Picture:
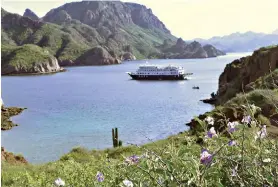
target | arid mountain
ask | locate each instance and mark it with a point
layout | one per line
(98, 32)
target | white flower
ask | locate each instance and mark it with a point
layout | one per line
(234, 172)
(267, 160)
(262, 133)
(59, 182)
(209, 120)
(232, 126)
(211, 133)
(128, 183)
(246, 119)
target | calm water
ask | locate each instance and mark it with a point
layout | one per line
(81, 106)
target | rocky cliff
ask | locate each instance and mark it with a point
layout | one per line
(106, 13)
(238, 74)
(246, 81)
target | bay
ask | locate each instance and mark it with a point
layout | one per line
(81, 106)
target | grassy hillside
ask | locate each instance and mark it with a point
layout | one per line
(177, 161)
(27, 59)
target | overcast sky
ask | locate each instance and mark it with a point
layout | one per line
(188, 18)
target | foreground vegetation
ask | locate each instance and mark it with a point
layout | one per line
(242, 155)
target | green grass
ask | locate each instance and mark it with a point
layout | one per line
(171, 162)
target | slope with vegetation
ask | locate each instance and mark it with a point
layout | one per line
(121, 31)
(249, 80)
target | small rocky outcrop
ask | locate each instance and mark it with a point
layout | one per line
(58, 17)
(6, 114)
(40, 67)
(182, 50)
(66, 62)
(212, 51)
(11, 158)
(28, 59)
(97, 56)
(128, 56)
(30, 14)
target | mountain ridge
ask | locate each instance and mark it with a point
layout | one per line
(116, 31)
(241, 42)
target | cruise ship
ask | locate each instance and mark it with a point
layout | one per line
(156, 72)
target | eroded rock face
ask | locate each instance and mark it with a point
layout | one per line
(49, 66)
(30, 14)
(106, 13)
(66, 63)
(246, 70)
(128, 56)
(97, 56)
(11, 158)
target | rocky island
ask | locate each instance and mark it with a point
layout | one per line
(89, 33)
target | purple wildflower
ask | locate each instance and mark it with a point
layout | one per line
(211, 133)
(246, 119)
(100, 177)
(232, 126)
(234, 172)
(262, 133)
(206, 158)
(134, 159)
(232, 143)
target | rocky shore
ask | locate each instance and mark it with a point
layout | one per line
(12, 158)
(6, 114)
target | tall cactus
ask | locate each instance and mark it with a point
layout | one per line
(115, 138)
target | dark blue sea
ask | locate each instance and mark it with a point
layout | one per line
(81, 106)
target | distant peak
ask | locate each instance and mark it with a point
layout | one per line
(30, 14)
